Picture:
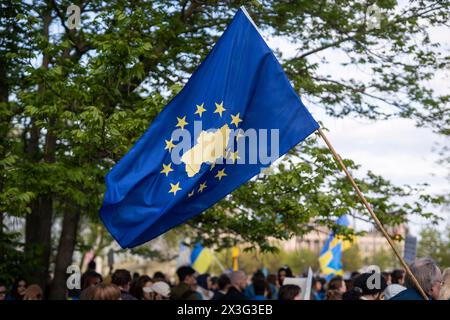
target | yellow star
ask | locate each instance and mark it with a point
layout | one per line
(234, 156)
(169, 145)
(200, 110)
(174, 188)
(235, 120)
(181, 122)
(166, 169)
(219, 108)
(202, 186)
(212, 166)
(220, 174)
(190, 194)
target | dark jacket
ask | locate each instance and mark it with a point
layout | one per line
(408, 294)
(217, 295)
(126, 296)
(183, 292)
(234, 294)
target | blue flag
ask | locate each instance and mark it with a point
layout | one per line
(195, 152)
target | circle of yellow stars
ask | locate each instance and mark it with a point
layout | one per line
(181, 123)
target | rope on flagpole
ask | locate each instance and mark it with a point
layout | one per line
(373, 215)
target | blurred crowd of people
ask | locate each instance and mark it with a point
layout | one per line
(236, 285)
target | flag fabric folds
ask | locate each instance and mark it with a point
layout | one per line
(201, 258)
(330, 258)
(239, 85)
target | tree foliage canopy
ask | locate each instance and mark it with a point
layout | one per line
(73, 101)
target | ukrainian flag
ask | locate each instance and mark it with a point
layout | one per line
(330, 258)
(201, 258)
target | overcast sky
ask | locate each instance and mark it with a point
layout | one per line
(396, 148)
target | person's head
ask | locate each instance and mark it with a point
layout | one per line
(337, 283)
(289, 292)
(238, 279)
(272, 279)
(159, 290)
(427, 274)
(333, 295)
(259, 286)
(284, 272)
(3, 291)
(122, 279)
(368, 286)
(203, 281)
(354, 275)
(445, 289)
(223, 282)
(214, 285)
(137, 287)
(159, 276)
(387, 277)
(90, 278)
(18, 289)
(186, 275)
(101, 291)
(398, 276)
(33, 292)
(316, 284)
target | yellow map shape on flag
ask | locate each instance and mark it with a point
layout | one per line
(210, 146)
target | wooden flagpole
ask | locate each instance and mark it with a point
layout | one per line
(373, 215)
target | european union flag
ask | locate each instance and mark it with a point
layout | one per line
(176, 169)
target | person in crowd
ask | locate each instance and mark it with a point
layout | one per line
(335, 288)
(429, 277)
(33, 292)
(337, 283)
(159, 276)
(3, 291)
(260, 289)
(238, 281)
(367, 286)
(159, 290)
(122, 279)
(316, 290)
(283, 272)
(289, 292)
(445, 289)
(214, 284)
(272, 280)
(398, 277)
(137, 287)
(185, 288)
(249, 291)
(386, 276)
(102, 291)
(204, 286)
(393, 290)
(354, 275)
(18, 289)
(90, 278)
(223, 284)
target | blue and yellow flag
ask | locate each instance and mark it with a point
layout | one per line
(330, 258)
(201, 258)
(194, 152)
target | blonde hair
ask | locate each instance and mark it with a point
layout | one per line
(101, 291)
(33, 292)
(445, 289)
